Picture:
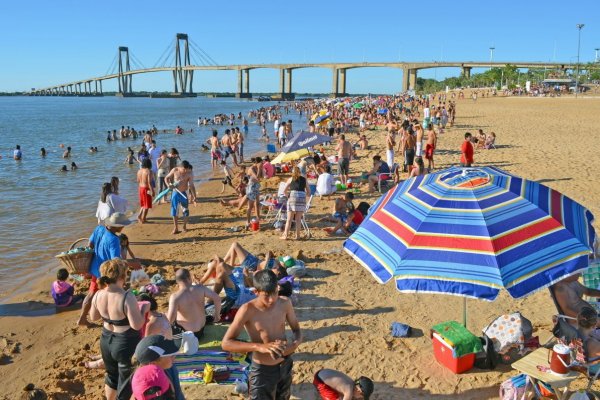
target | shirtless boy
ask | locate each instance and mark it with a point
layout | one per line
(264, 319)
(215, 148)
(430, 147)
(145, 189)
(186, 306)
(181, 179)
(255, 174)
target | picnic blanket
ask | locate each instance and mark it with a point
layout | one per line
(191, 368)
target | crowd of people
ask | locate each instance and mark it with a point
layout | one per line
(253, 285)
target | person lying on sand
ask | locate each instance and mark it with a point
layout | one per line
(264, 318)
(334, 385)
(186, 306)
(222, 273)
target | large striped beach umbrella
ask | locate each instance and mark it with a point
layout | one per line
(471, 232)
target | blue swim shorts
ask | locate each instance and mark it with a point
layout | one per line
(178, 198)
(250, 262)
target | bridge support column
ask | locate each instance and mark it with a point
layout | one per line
(243, 90)
(101, 88)
(247, 83)
(405, 73)
(466, 72)
(412, 79)
(335, 82)
(282, 83)
(342, 83)
(288, 94)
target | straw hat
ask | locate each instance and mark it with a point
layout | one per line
(117, 220)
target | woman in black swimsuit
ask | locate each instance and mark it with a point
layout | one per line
(122, 322)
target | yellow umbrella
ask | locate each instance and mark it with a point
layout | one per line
(291, 156)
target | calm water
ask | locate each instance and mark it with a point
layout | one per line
(42, 210)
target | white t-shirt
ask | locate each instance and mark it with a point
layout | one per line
(276, 125)
(281, 133)
(154, 156)
(325, 184)
(426, 113)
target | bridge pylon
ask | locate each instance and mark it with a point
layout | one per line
(182, 78)
(124, 80)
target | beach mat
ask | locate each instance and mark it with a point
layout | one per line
(191, 368)
(213, 336)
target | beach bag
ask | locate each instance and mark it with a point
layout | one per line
(488, 358)
(514, 388)
(508, 331)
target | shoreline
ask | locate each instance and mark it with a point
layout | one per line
(344, 313)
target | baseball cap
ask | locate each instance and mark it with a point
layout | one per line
(149, 377)
(153, 347)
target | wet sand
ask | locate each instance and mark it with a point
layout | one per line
(345, 315)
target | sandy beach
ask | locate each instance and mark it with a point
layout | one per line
(344, 313)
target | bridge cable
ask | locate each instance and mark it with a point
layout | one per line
(199, 50)
(163, 55)
(112, 66)
(198, 59)
(210, 60)
(137, 61)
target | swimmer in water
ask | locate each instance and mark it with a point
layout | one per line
(73, 166)
(63, 169)
(43, 152)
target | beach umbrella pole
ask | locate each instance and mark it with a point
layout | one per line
(465, 312)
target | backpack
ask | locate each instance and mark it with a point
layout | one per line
(514, 388)
(488, 358)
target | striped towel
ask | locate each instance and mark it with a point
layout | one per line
(191, 368)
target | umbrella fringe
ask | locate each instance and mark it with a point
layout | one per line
(364, 265)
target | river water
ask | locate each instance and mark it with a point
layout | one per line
(42, 210)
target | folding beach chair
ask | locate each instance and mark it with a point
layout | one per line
(562, 328)
(275, 206)
(303, 221)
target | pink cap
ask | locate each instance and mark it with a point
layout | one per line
(147, 377)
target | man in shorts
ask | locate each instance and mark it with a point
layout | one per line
(264, 318)
(255, 174)
(181, 179)
(334, 385)
(466, 151)
(344, 149)
(430, 147)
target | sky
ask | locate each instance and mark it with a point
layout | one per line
(44, 43)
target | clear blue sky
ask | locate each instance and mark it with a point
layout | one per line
(45, 43)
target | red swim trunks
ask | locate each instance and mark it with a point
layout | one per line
(325, 391)
(429, 151)
(145, 198)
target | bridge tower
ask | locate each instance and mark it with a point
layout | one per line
(124, 80)
(182, 78)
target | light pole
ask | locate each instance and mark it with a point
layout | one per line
(492, 58)
(579, 27)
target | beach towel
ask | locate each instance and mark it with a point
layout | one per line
(462, 341)
(191, 368)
